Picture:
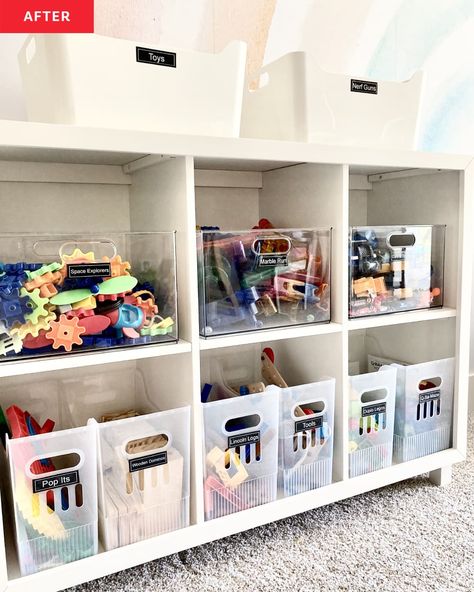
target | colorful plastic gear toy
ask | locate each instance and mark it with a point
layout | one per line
(65, 333)
(117, 266)
(37, 303)
(13, 308)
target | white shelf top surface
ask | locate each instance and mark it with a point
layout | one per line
(43, 142)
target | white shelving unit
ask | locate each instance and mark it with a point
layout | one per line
(58, 178)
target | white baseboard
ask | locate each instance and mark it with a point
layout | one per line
(471, 394)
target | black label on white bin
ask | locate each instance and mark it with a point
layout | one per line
(368, 410)
(145, 462)
(156, 57)
(243, 439)
(273, 260)
(88, 270)
(430, 396)
(364, 86)
(308, 424)
(55, 481)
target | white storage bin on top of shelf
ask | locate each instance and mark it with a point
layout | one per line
(371, 420)
(299, 101)
(91, 80)
(143, 459)
(241, 452)
(424, 409)
(305, 436)
(54, 484)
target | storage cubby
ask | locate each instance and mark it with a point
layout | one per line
(66, 180)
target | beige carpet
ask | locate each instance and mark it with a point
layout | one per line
(412, 536)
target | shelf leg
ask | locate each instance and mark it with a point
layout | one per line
(441, 477)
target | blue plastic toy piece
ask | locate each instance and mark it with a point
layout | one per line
(13, 308)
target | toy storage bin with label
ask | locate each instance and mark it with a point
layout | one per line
(143, 454)
(297, 100)
(395, 268)
(54, 489)
(306, 436)
(63, 293)
(241, 453)
(424, 409)
(91, 80)
(371, 417)
(263, 279)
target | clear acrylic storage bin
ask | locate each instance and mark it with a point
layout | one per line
(98, 81)
(241, 453)
(69, 293)
(395, 268)
(263, 279)
(424, 409)
(306, 436)
(54, 491)
(371, 419)
(143, 455)
(298, 100)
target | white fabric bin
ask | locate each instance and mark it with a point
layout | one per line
(305, 441)
(299, 101)
(371, 420)
(424, 409)
(97, 81)
(241, 452)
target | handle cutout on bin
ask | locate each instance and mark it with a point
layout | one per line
(147, 444)
(374, 395)
(429, 383)
(237, 424)
(304, 408)
(401, 240)
(51, 464)
(271, 245)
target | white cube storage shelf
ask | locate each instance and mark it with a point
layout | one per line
(141, 86)
(59, 179)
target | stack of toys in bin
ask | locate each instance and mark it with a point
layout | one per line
(54, 306)
(262, 278)
(379, 282)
